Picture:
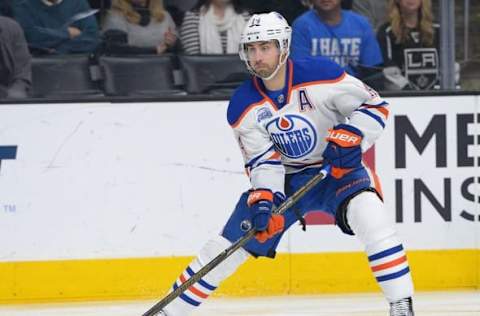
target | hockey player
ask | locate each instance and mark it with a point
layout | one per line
(289, 119)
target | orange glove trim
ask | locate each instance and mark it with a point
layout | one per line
(276, 224)
(259, 195)
(343, 138)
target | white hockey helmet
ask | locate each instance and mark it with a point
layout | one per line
(266, 27)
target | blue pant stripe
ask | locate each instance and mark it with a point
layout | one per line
(393, 275)
(385, 253)
(201, 282)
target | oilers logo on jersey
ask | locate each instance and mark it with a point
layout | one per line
(278, 139)
(293, 135)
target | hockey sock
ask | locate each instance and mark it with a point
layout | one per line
(386, 255)
(389, 265)
(200, 291)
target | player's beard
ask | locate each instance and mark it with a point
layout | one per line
(264, 70)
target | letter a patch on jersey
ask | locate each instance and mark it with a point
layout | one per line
(304, 101)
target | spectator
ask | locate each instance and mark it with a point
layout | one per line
(374, 10)
(148, 27)
(182, 5)
(102, 6)
(343, 36)
(409, 42)
(177, 9)
(57, 26)
(15, 67)
(347, 4)
(6, 8)
(290, 9)
(213, 27)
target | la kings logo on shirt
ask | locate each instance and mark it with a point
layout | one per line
(421, 67)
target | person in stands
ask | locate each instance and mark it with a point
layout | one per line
(213, 27)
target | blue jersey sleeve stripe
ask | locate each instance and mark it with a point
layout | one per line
(256, 158)
(375, 117)
(382, 104)
(270, 162)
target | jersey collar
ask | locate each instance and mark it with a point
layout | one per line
(289, 78)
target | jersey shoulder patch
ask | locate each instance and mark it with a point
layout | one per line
(317, 69)
(242, 98)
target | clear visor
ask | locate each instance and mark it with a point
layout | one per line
(254, 53)
(253, 50)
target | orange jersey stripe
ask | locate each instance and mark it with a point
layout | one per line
(263, 94)
(305, 84)
(290, 81)
(381, 109)
(275, 155)
(245, 112)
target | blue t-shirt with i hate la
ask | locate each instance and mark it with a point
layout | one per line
(350, 43)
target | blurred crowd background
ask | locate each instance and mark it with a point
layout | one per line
(79, 49)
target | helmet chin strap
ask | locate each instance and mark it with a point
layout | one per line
(280, 63)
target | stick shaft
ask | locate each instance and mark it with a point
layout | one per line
(155, 309)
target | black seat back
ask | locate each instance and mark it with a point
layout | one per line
(138, 75)
(63, 76)
(214, 74)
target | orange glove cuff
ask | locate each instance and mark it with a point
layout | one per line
(259, 195)
(276, 224)
(343, 138)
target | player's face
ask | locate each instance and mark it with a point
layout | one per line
(326, 5)
(263, 57)
(409, 6)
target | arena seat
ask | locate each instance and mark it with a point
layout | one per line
(213, 74)
(138, 75)
(63, 76)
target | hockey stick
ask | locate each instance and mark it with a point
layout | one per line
(155, 309)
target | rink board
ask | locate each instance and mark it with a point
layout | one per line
(97, 199)
(148, 278)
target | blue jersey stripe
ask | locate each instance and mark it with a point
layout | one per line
(256, 158)
(269, 162)
(380, 105)
(393, 275)
(375, 117)
(385, 253)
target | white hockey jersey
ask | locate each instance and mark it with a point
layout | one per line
(275, 140)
